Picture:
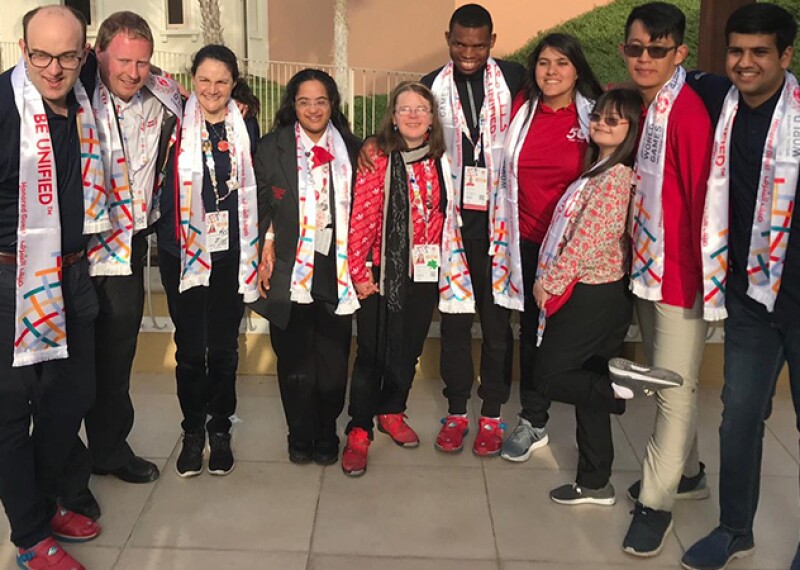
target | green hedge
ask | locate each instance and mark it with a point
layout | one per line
(601, 31)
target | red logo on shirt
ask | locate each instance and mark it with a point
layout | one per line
(278, 193)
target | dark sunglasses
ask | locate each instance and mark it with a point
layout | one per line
(656, 52)
(610, 121)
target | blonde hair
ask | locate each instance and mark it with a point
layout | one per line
(129, 23)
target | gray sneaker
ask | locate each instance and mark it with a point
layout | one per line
(523, 441)
(574, 494)
(642, 380)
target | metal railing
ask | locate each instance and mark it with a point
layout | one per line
(364, 96)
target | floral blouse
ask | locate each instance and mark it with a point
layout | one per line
(595, 248)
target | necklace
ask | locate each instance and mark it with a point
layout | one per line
(222, 143)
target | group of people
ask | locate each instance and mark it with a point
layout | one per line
(488, 188)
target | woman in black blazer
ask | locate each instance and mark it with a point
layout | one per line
(304, 171)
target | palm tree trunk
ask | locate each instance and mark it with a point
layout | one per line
(210, 22)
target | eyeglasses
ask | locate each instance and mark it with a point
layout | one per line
(321, 103)
(68, 61)
(407, 110)
(610, 121)
(655, 52)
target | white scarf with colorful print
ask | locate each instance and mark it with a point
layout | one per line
(775, 204)
(41, 325)
(110, 252)
(494, 120)
(341, 179)
(647, 211)
(196, 261)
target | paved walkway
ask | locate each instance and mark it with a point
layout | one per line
(414, 509)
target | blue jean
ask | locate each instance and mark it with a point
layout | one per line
(756, 349)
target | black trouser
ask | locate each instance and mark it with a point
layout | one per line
(572, 365)
(54, 395)
(497, 347)
(312, 354)
(376, 389)
(109, 421)
(535, 403)
(207, 323)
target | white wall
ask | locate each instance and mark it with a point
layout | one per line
(186, 40)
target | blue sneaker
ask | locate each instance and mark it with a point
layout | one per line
(796, 561)
(715, 551)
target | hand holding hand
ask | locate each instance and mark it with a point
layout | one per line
(366, 156)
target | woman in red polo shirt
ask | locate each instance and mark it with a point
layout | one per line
(545, 150)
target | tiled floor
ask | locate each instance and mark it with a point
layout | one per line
(414, 509)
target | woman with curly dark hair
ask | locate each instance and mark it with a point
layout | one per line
(304, 170)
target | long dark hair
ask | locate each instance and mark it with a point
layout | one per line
(390, 139)
(241, 90)
(627, 103)
(286, 114)
(587, 84)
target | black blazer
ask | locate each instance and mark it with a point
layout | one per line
(275, 165)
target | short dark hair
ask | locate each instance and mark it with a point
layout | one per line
(471, 16)
(390, 139)
(26, 19)
(627, 103)
(286, 114)
(587, 83)
(660, 19)
(241, 90)
(763, 18)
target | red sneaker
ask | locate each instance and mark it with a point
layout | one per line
(489, 440)
(47, 555)
(398, 429)
(451, 436)
(354, 456)
(72, 527)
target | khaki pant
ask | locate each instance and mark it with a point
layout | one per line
(674, 338)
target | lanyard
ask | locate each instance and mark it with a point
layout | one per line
(208, 153)
(423, 204)
(477, 120)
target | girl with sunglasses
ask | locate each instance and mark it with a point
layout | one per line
(582, 293)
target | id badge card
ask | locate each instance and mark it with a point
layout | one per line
(322, 241)
(217, 231)
(426, 263)
(139, 210)
(476, 188)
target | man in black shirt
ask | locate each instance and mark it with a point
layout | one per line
(470, 39)
(760, 335)
(54, 392)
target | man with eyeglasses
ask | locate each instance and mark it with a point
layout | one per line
(672, 167)
(137, 114)
(474, 94)
(751, 209)
(51, 195)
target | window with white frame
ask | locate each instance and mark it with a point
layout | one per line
(176, 13)
(84, 7)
